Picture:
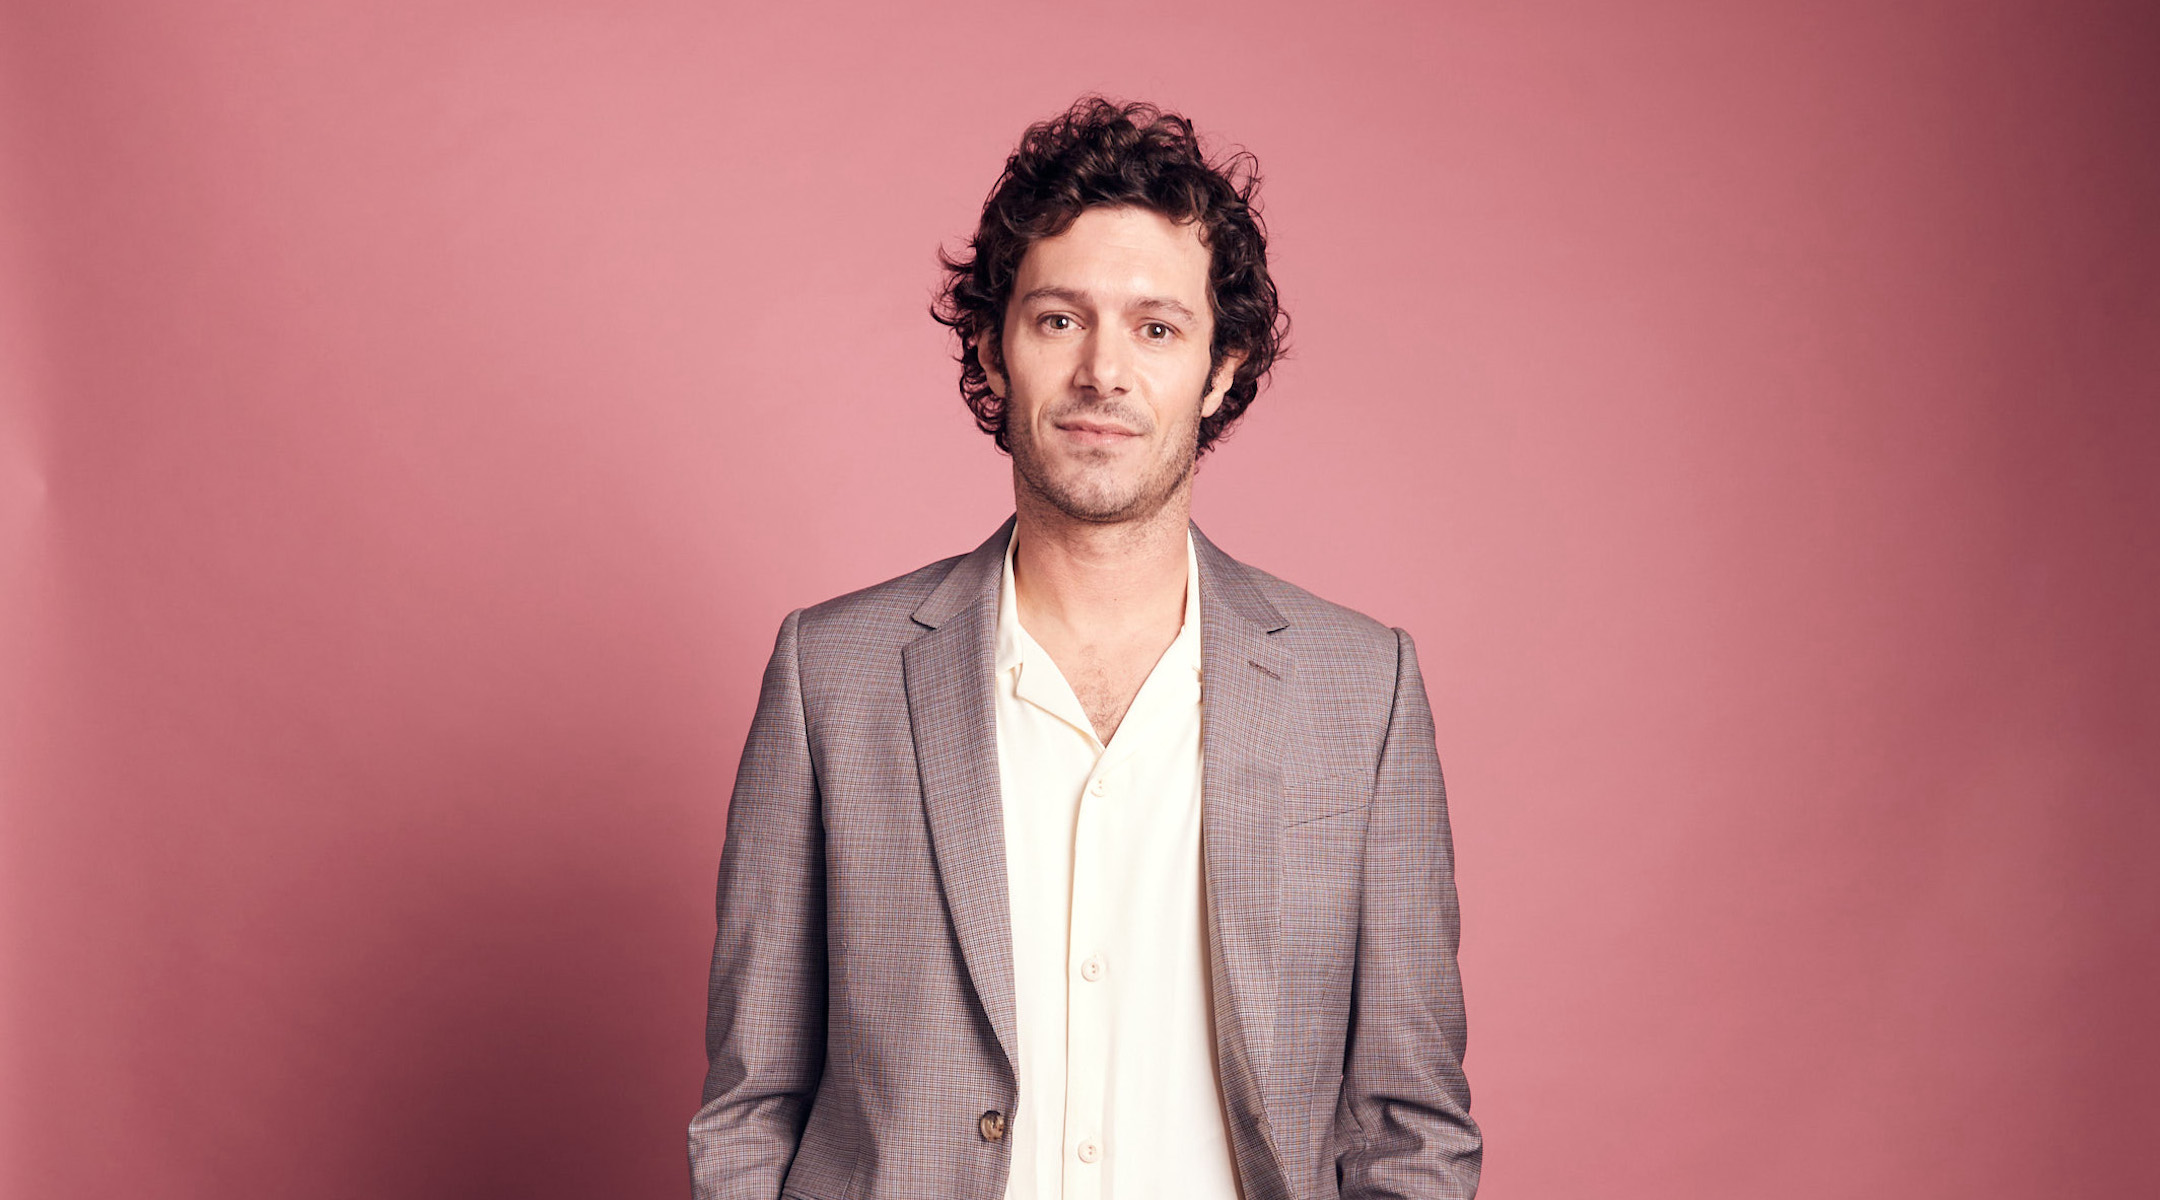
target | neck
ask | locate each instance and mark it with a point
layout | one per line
(1100, 581)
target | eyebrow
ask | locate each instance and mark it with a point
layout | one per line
(1145, 303)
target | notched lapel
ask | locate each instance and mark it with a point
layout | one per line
(1245, 724)
(952, 710)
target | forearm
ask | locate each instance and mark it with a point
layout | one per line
(764, 1036)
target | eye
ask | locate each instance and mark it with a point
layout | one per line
(1053, 319)
(1156, 331)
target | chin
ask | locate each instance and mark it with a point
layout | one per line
(1103, 504)
(1094, 488)
(1092, 507)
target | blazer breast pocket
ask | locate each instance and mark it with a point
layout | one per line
(1322, 796)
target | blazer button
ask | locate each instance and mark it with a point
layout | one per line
(992, 1125)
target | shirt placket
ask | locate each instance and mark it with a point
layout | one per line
(1088, 994)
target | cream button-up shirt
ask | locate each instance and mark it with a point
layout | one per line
(1118, 1092)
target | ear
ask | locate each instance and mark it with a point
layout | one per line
(986, 354)
(1219, 385)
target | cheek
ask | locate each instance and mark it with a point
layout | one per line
(1032, 368)
(1183, 389)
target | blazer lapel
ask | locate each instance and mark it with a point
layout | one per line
(952, 708)
(1245, 680)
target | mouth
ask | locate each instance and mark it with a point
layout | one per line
(1096, 433)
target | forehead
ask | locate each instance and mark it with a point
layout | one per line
(1116, 254)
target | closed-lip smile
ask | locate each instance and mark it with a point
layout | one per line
(1096, 427)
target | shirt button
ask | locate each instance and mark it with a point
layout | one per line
(1090, 1150)
(1092, 969)
(992, 1126)
(1098, 786)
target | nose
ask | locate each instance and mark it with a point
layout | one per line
(1103, 368)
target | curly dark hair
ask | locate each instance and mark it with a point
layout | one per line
(1099, 153)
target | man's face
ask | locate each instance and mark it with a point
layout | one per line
(1106, 364)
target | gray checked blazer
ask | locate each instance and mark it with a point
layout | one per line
(861, 1028)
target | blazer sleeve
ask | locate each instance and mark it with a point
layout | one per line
(765, 1010)
(1404, 1121)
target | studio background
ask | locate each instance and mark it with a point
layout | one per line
(416, 419)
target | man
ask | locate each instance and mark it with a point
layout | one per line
(1092, 863)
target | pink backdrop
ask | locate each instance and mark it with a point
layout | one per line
(415, 419)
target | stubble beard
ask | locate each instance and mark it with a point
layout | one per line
(1075, 498)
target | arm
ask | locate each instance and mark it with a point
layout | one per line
(1404, 1122)
(765, 1013)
